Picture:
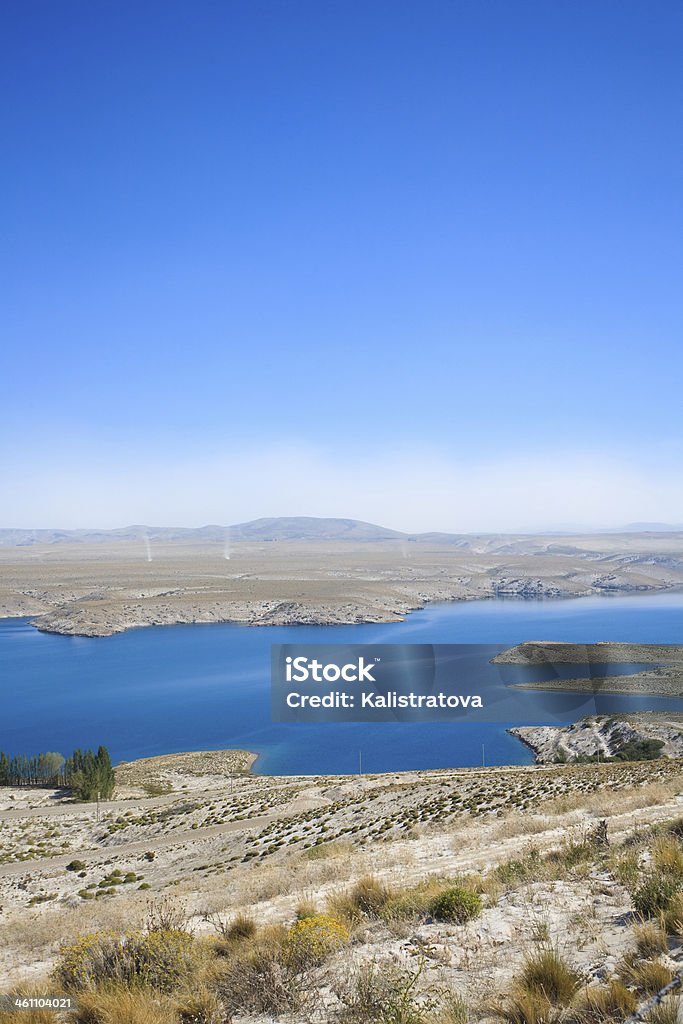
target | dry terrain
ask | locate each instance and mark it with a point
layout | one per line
(214, 842)
(603, 735)
(100, 587)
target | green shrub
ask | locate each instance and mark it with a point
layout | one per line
(456, 904)
(518, 870)
(76, 865)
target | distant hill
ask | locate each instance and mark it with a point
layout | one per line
(282, 528)
(311, 528)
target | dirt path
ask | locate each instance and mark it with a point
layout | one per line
(101, 854)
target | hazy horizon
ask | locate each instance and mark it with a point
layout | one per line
(418, 491)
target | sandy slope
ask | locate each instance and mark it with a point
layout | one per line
(263, 844)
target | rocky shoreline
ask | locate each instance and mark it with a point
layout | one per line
(603, 736)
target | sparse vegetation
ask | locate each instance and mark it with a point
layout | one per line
(343, 903)
(382, 993)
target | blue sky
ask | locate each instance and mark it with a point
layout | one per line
(411, 261)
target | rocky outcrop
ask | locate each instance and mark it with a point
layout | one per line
(602, 735)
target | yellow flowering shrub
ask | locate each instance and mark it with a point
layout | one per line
(310, 941)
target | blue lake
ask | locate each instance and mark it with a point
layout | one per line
(173, 688)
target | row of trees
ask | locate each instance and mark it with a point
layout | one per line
(87, 774)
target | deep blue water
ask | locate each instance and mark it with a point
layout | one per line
(172, 688)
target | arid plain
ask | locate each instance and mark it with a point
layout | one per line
(98, 587)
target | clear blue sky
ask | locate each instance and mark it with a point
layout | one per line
(338, 237)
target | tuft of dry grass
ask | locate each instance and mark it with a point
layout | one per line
(199, 1005)
(241, 927)
(306, 907)
(522, 1006)
(122, 1005)
(599, 1004)
(452, 1009)
(366, 899)
(257, 979)
(648, 976)
(667, 1012)
(624, 866)
(542, 992)
(667, 855)
(547, 973)
(672, 918)
(650, 939)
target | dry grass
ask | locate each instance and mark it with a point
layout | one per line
(647, 976)
(124, 1006)
(36, 935)
(548, 974)
(650, 939)
(608, 1004)
(607, 804)
(256, 979)
(306, 907)
(522, 1006)
(667, 1012)
(245, 969)
(667, 855)
(672, 918)
(365, 899)
(240, 927)
(624, 866)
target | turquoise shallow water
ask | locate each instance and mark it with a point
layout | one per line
(171, 688)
